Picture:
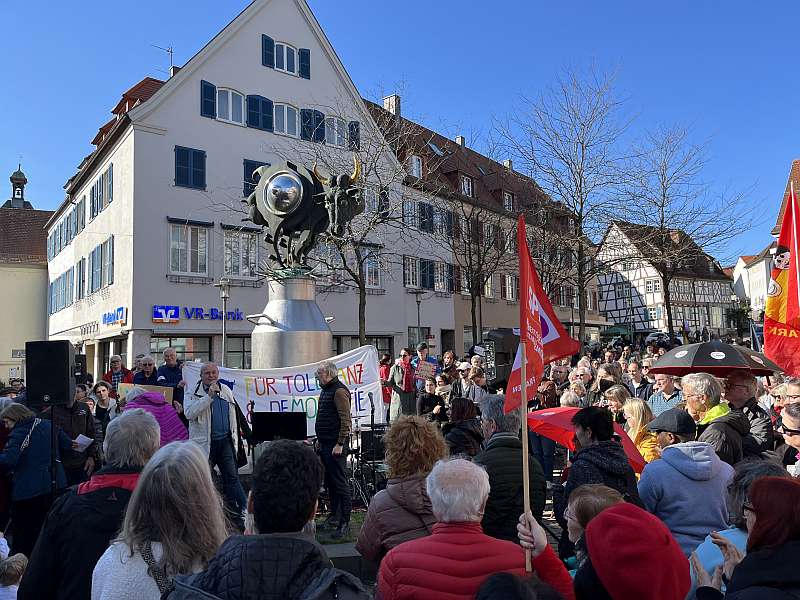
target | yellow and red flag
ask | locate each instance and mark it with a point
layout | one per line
(782, 314)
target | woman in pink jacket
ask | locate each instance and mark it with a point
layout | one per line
(172, 429)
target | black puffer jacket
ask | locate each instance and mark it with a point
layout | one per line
(762, 436)
(464, 437)
(505, 504)
(763, 575)
(725, 435)
(281, 566)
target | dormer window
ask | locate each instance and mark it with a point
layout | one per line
(285, 58)
(415, 166)
(466, 186)
(230, 106)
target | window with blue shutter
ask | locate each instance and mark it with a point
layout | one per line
(425, 217)
(259, 113)
(110, 179)
(306, 124)
(451, 278)
(208, 100)
(250, 180)
(190, 168)
(319, 127)
(427, 275)
(354, 135)
(383, 203)
(108, 261)
(267, 51)
(101, 193)
(304, 56)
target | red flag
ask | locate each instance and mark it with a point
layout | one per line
(782, 314)
(540, 329)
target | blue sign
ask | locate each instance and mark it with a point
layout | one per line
(165, 313)
(118, 316)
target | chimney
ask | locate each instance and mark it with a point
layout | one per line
(508, 164)
(460, 140)
(392, 104)
(173, 70)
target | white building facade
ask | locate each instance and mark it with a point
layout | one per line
(153, 217)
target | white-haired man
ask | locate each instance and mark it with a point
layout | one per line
(333, 433)
(91, 513)
(457, 557)
(211, 411)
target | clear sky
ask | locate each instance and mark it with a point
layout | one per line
(727, 70)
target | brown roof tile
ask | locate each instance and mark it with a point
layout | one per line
(794, 176)
(23, 238)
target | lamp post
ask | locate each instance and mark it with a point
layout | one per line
(224, 286)
(418, 294)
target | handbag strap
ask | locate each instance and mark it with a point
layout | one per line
(154, 570)
(27, 441)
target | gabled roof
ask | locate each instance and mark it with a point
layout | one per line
(141, 92)
(647, 239)
(746, 258)
(728, 271)
(765, 253)
(23, 237)
(794, 177)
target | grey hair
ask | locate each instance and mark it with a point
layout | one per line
(569, 399)
(132, 438)
(134, 392)
(458, 490)
(745, 473)
(795, 381)
(170, 349)
(207, 365)
(703, 384)
(792, 409)
(492, 410)
(329, 368)
(115, 357)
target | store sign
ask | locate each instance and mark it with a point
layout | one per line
(119, 316)
(166, 313)
(18, 353)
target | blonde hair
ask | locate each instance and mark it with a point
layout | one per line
(176, 504)
(619, 393)
(577, 387)
(413, 446)
(640, 413)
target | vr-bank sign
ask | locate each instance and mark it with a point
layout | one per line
(166, 313)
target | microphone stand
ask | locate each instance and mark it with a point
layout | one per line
(372, 446)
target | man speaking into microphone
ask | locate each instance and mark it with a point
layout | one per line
(333, 434)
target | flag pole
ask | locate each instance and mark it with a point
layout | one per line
(794, 250)
(523, 412)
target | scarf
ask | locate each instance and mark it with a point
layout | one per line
(408, 376)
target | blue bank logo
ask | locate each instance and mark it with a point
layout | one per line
(164, 313)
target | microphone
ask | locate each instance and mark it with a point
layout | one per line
(371, 403)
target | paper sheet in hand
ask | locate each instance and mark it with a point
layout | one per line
(83, 442)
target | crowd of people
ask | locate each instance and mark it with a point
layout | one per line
(152, 505)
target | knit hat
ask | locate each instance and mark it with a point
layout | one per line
(635, 555)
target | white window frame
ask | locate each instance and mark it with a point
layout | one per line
(652, 314)
(281, 58)
(192, 232)
(488, 287)
(372, 199)
(440, 272)
(463, 282)
(335, 132)
(373, 278)
(511, 287)
(508, 201)
(415, 166)
(228, 118)
(245, 269)
(467, 186)
(648, 286)
(280, 126)
(410, 214)
(411, 272)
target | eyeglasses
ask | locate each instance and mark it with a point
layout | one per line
(794, 397)
(787, 430)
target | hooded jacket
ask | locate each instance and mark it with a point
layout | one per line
(724, 430)
(763, 575)
(400, 513)
(464, 437)
(279, 566)
(687, 489)
(172, 429)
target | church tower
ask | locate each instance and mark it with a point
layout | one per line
(18, 181)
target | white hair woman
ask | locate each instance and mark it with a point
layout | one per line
(173, 525)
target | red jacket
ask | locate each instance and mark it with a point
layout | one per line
(453, 562)
(126, 378)
(387, 390)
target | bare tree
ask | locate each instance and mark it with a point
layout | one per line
(570, 141)
(679, 225)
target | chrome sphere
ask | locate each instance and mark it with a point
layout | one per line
(283, 192)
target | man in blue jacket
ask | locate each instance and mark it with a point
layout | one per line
(170, 374)
(420, 375)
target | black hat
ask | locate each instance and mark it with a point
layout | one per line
(422, 346)
(675, 421)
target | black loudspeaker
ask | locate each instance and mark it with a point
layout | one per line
(372, 440)
(49, 372)
(80, 368)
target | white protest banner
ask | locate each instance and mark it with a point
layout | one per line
(296, 389)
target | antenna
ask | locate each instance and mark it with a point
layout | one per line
(169, 50)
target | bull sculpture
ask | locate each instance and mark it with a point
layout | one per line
(296, 205)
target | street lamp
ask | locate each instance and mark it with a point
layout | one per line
(224, 286)
(418, 294)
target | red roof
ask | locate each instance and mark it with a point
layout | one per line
(23, 238)
(141, 92)
(728, 271)
(794, 177)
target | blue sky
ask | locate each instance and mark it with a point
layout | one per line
(726, 70)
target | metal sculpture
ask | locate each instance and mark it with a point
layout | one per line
(296, 206)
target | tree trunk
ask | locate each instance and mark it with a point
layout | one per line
(668, 306)
(580, 282)
(474, 314)
(362, 314)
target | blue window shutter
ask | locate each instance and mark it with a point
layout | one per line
(266, 114)
(182, 158)
(451, 278)
(111, 260)
(249, 179)
(208, 100)
(110, 177)
(319, 127)
(254, 111)
(267, 51)
(304, 54)
(306, 124)
(198, 169)
(354, 135)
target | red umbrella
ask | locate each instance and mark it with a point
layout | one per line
(556, 424)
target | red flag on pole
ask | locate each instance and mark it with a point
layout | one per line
(539, 327)
(782, 314)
